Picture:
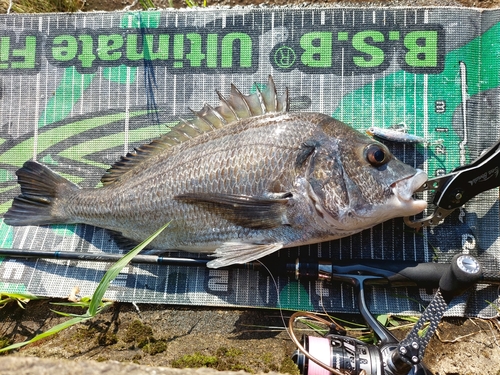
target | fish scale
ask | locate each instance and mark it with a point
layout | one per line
(237, 181)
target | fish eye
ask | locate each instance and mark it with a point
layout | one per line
(376, 155)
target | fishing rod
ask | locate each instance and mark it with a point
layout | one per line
(336, 353)
(101, 257)
(393, 273)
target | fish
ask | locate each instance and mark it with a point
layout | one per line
(238, 181)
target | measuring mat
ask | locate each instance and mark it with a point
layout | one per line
(77, 91)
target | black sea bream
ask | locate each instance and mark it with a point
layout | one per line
(240, 181)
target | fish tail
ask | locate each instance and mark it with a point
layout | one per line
(42, 192)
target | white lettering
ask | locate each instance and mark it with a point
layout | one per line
(13, 270)
(218, 280)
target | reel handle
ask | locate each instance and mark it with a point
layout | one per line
(464, 271)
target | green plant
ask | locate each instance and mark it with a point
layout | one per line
(22, 298)
(192, 3)
(147, 4)
(195, 360)
(96, 303)
(494, 305)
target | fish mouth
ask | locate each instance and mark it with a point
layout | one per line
(404, 190)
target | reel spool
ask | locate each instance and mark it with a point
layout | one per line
(344, 354)
(335, 354)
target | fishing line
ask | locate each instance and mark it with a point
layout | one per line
(148, 72)
(319, 347)
(291, 333)
(323, 352)
(277, 295)
(323, 305)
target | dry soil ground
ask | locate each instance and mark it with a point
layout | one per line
(90, 5)
(223, 339)
(249, 340)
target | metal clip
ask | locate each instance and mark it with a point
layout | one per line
(462, 184)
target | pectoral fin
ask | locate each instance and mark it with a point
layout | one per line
(264, 212)
(238, 253)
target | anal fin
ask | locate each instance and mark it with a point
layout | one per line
(238, 253)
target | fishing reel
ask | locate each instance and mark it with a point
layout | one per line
(336, 353)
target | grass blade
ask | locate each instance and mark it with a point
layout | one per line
(115, 269)
(20, 295)
(48, 333)
(96, 305)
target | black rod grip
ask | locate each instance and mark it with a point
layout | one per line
(490, 277)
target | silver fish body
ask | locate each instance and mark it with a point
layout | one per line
(239, 181)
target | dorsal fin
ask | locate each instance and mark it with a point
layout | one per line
(234, 108)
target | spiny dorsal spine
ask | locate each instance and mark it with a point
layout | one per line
(232, 109)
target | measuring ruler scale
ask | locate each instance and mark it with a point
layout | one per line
(77, 91)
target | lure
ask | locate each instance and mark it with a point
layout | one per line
(397, 135)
